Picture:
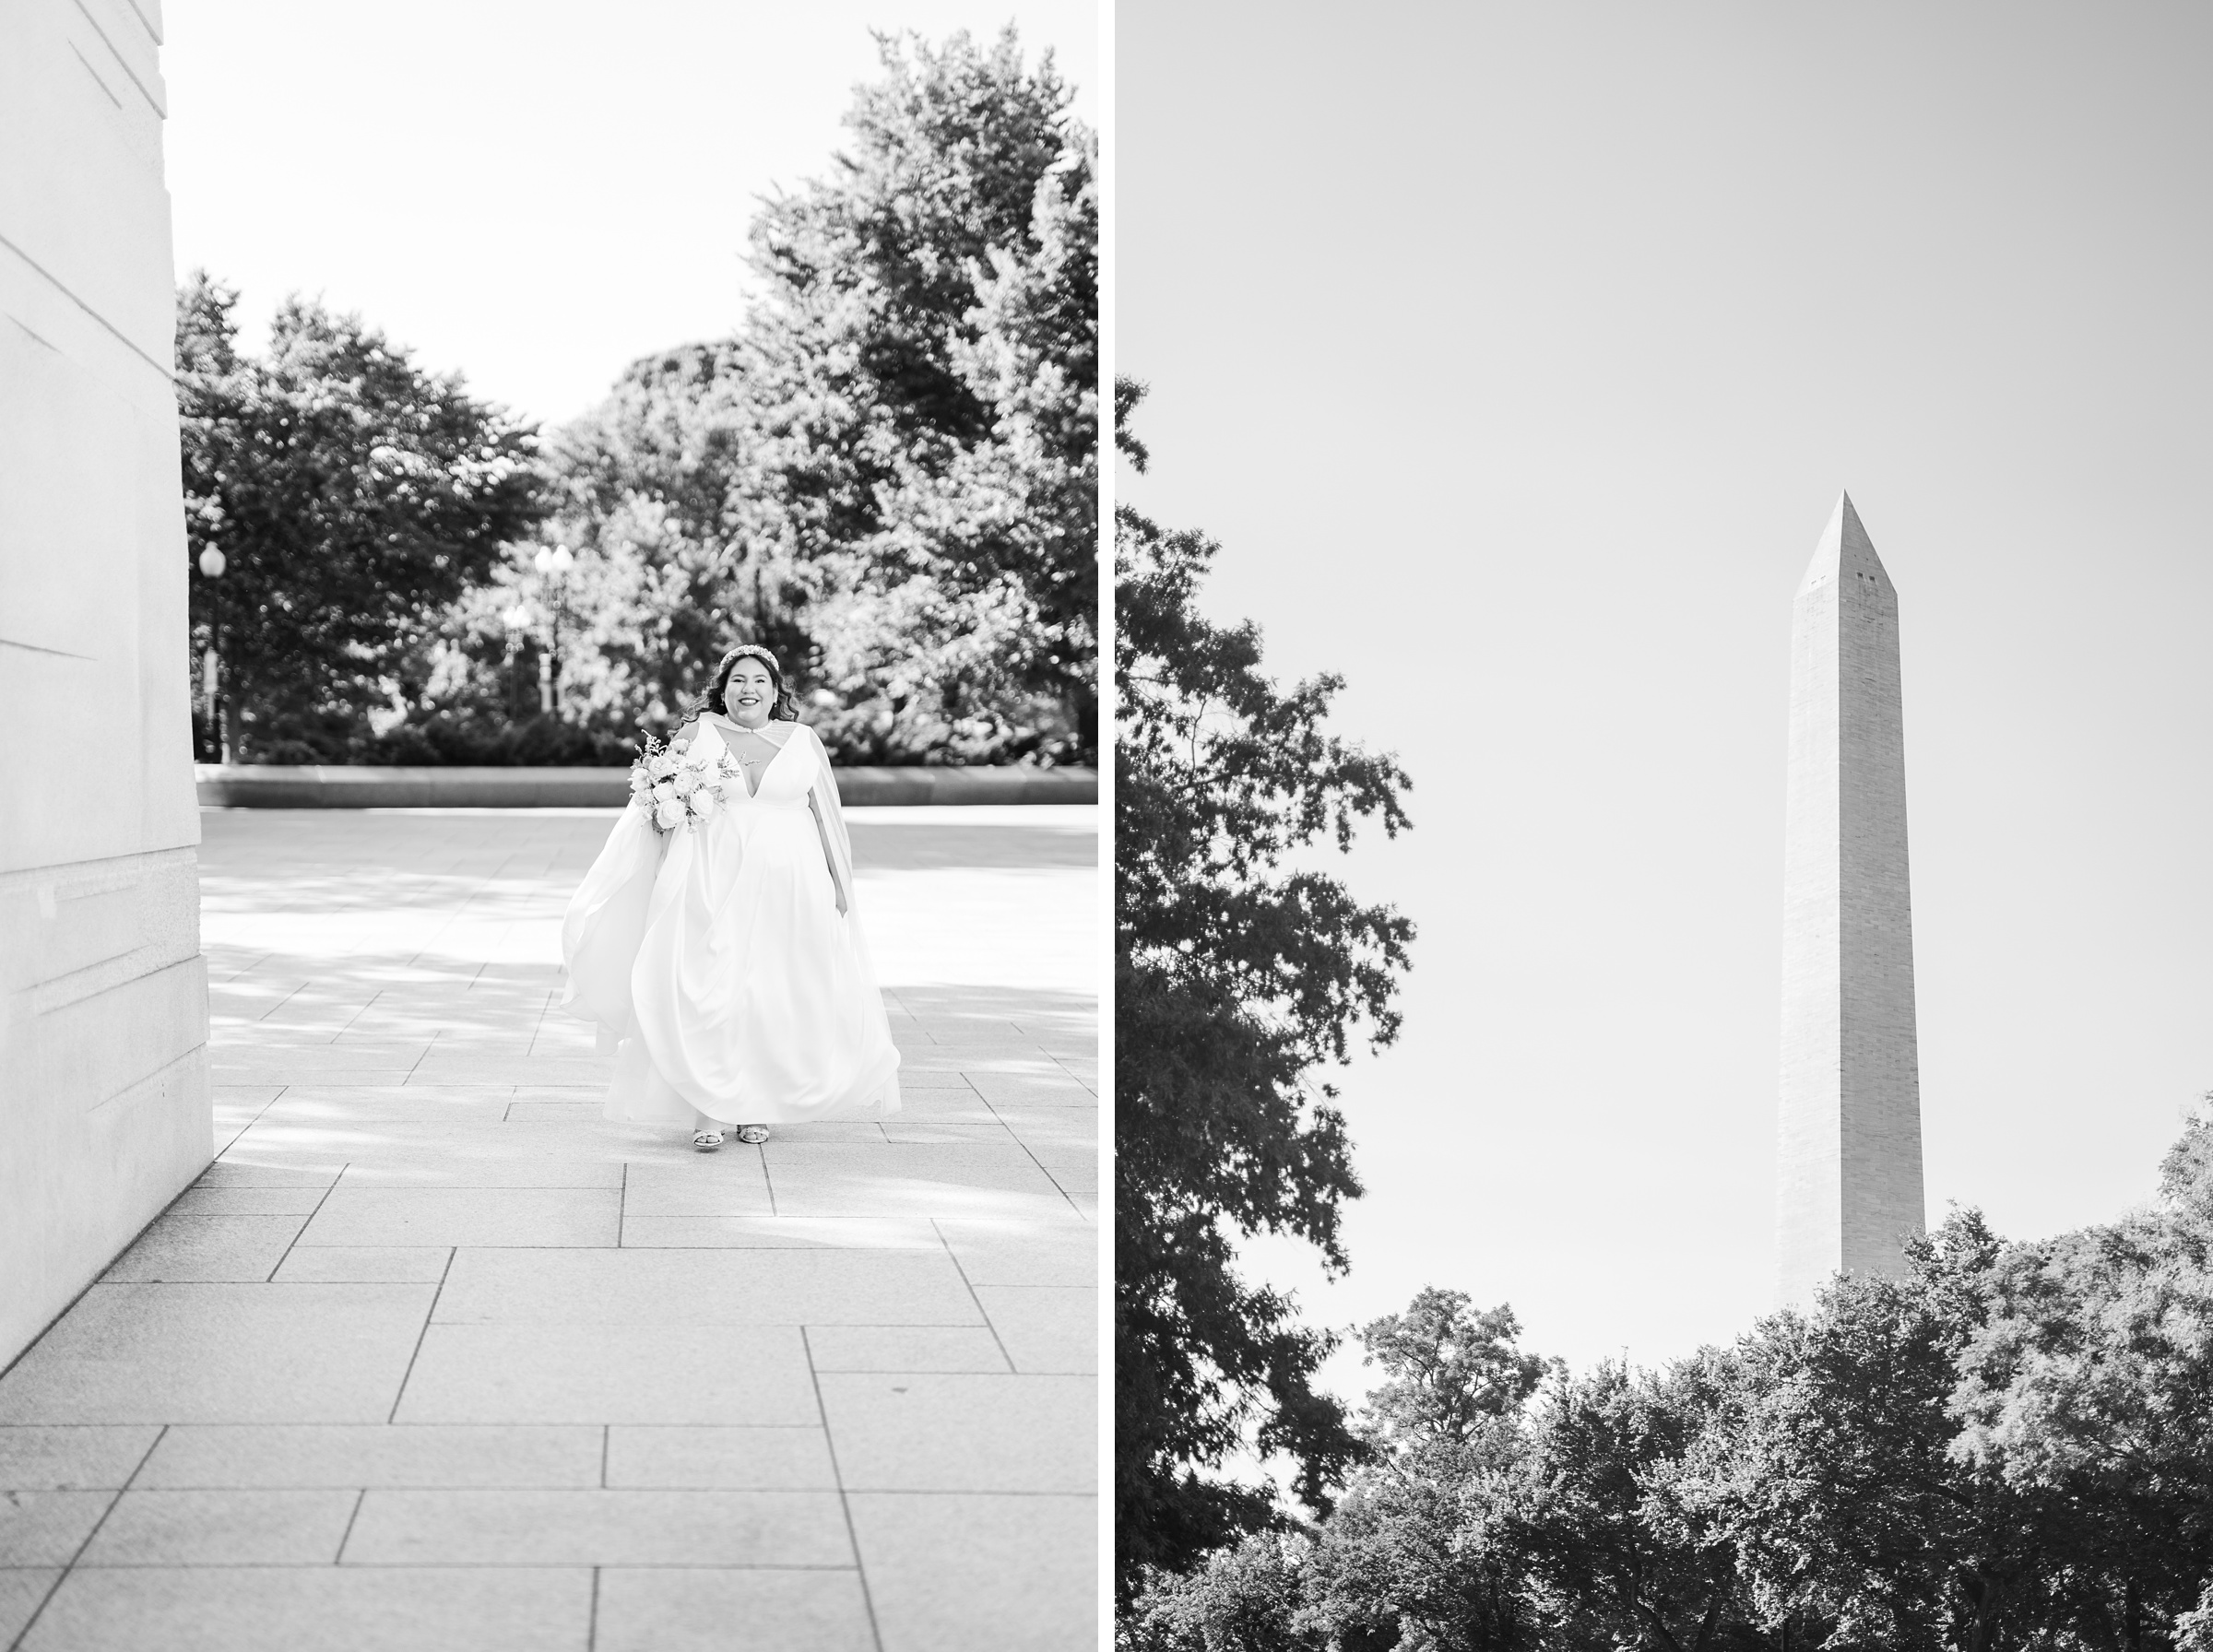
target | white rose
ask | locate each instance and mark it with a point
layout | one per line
(663, 765)
(668, 815)
(687, 781)
(638, 781)
(703, 800)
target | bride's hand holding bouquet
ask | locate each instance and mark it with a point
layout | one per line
(676, 792)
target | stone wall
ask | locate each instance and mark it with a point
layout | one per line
(104, 1111)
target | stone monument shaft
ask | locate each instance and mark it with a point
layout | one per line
(1849, 1189)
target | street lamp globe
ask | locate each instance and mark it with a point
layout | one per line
(563, 561)
(212, 562)
(514, 617)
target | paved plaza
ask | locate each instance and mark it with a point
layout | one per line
(434, 1357)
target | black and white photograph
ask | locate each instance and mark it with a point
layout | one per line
(1560, 651)
(1604, 493)
(549, 1069)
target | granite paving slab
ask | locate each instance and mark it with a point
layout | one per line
(382, 1454)
(47, 1529)
(657, 1610)
(221, 1353)
(1044, 1328)
(181, 1246)
(551, 1217)
(23, 1589)
(979, 1573)
(222, 1527)
(611, 1374)
(928, 1432)
(597, 1527)
(714, 1456)
(749, 1286)
(773, 1233)
(72, 1457)
(286, 1609)
(905, 1348)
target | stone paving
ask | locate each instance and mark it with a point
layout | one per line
(434, 1357)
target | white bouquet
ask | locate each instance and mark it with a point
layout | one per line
(675, 790)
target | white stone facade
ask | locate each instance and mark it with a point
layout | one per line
(104, 1109)
(1850, 1179)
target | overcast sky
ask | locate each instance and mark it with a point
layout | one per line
(534, 194)
(1517, 354)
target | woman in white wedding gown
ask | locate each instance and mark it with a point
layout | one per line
(724, 962)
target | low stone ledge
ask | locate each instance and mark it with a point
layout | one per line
(275, 786)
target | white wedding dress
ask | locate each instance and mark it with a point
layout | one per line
(716, 963)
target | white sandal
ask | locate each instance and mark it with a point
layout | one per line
(752, 1135)
(706, 1141)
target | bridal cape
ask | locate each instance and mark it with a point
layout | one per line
(717, 965)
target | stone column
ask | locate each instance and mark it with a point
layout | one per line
(104, 1111)
(1849, 1189)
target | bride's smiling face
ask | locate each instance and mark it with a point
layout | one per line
(751, 693)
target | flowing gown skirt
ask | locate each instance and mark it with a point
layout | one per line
(718, 968)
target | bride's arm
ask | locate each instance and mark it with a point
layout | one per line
(829, 828)
(822, 835)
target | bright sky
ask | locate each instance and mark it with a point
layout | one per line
(534, 194)
(1517, 354)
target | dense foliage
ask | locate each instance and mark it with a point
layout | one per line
(922, 382)
(1237, 976)
(353, 496)
(889, 474)
(2009, 1447)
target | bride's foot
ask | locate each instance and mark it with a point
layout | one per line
(706, 1141)
(752, 1135)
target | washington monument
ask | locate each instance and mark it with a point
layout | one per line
(1849, 1190)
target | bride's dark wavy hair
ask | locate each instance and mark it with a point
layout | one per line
(783, 708)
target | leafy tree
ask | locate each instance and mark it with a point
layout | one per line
(1451, 1370)
(920, 380)
(1247, 1597)
(1612, 1557)
(353, 496)
(1834, 1481)
(656, 486)
(1235, 978)
(2087, 1388)
(1427, 1548)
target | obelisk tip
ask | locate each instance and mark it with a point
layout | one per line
(1844, 544)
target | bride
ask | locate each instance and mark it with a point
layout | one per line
(724, 962)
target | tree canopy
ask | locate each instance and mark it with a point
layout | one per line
(921, 384)
(2006, 1448)
(353, 496)
(1238, 974)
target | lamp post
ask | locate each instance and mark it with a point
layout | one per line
(553, 563)
(211, 665)
(516, 618)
